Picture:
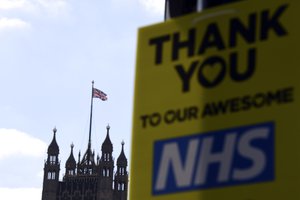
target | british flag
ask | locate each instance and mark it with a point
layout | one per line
(99, 94)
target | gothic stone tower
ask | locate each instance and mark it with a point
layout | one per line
(121, 177)
(86, 179)
(51, 171)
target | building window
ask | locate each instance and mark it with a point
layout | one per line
(106, 157)
(105, 172)
(51, 176)
(121, 186)
(52, 159)
(121, 171)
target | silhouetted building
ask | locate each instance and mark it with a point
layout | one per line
(87, 179)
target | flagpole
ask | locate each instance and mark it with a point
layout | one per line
(91, 115)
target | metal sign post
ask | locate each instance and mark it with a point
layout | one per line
(176, 8)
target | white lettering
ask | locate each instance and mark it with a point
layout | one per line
(257, 156)
(183, 172)
(207, 157)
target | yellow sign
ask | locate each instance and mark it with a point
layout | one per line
(217, 111)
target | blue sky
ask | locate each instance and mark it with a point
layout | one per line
(50, 52)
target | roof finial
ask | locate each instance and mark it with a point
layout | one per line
(108, 127)
(72, 146)
(79, 155)
(54, 130)
(122, 143)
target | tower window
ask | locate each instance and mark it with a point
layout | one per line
(106, 157)
(52, 159)
(121, 186)
(105, 172)
(121, 171)
(71, 172)
(51, 176)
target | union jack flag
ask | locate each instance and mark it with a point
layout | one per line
(99, 94)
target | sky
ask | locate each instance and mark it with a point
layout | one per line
(50, 51)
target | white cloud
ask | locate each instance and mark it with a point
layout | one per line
(49, 7)
(154, 6)
(14, 142)
(57, 9)
(53, 7)
(21, 193)
(13, 23)
(12, 4)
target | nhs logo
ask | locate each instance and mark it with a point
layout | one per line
(241, 155)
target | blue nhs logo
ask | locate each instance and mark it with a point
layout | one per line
(241, 155)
